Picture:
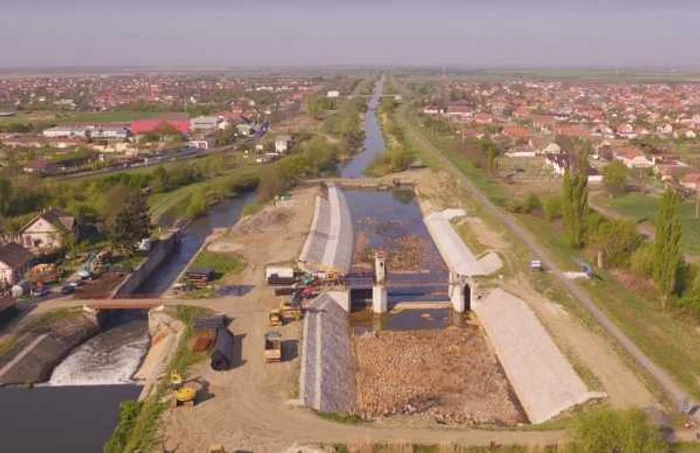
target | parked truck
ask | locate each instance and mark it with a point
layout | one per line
(273, 346)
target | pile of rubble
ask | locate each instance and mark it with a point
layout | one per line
(448, 375)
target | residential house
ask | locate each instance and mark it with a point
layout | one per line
(460, 112)
(516, 132)
(691, 181)
(432, 110)
(552, 148)
(483, 118)
(47, 231)
(333, 93)
(626, 131)
(633, 158)
(282, 143)
(15, 260)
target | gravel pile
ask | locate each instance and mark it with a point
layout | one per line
(447, 375)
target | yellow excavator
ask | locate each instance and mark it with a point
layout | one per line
(183, 395)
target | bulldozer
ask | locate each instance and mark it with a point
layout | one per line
(183, 395)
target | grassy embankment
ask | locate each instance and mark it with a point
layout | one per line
(669, 340)
(137, 429)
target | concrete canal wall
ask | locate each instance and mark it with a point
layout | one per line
(330, 240)
(327, 382)
(160, 251)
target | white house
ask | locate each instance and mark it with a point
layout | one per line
(333, 94)
(47, 231)
(282, 143)
(633, 158)
(15, 260)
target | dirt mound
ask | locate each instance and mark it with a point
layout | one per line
(447, 375)
(262, 221)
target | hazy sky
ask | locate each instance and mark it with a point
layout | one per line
(346, 32)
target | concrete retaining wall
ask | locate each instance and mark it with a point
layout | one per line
(543, 379)
(327, 380)
(44, 350)
(160, 251)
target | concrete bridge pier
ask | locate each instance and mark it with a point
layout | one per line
(461, 292)
(380, 294)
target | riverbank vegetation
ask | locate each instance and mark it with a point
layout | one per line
(137, 429)
(624, 288)
(399, 154)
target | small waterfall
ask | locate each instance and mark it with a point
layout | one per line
(110, 357)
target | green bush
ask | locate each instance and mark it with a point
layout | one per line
(642, 261)
(128, 412)
(608, 431)
(553, 207)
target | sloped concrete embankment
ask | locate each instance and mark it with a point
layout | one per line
(330, 240)
(327, 380)
(161, 250)
(543, 379)
(37, 352)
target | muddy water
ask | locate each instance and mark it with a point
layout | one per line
(391, 222)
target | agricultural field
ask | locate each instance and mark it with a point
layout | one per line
(643, 208)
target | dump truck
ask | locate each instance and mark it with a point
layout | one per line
(290, 308)
(273, 346)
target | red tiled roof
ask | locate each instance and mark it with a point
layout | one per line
(181, 123)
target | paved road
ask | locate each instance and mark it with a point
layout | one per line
(663, 379)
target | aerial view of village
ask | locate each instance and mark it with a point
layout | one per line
(330, 258)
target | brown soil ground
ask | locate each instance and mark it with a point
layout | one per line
(446, 375)
(100, 288)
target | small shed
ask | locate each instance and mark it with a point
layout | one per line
(222, 355)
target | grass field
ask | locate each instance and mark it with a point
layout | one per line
(644, 208)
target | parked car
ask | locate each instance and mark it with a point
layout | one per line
(68, 289)
(40, 292)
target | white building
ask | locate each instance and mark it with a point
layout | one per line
(66, 132)
(204, 123)
(282, 143)
(110, 133)
(333, 93)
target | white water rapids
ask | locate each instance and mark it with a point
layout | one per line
(110, 357)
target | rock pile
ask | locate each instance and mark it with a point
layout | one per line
(447, 375)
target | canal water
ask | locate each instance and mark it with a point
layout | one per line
(374, 140)
(60, 419)
(223, 215)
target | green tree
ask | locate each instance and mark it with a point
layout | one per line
(642, 261)
(5, 195)
(489, 150)
(667, 246)
(131, 223)
(615, 177)
(617, 239)
(575, 206)
(608, 431)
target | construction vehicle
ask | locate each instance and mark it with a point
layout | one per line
(43, 274)
(328, 275)
(216, 448)
(290, 308)
(273, 346)
(275, 318)
(183, 395)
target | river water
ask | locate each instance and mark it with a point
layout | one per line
(374, 140)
